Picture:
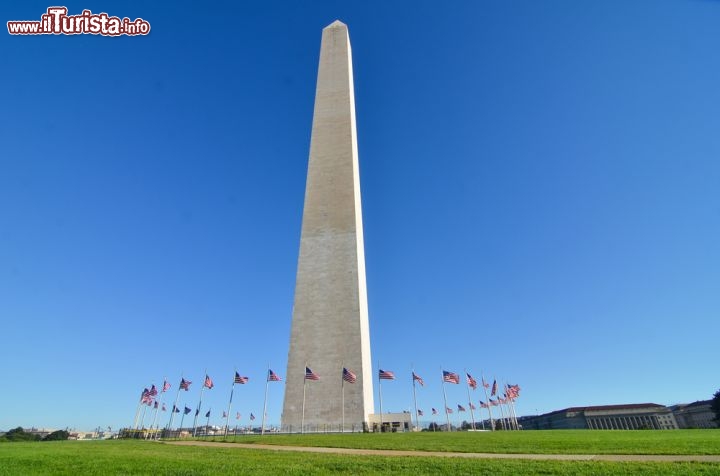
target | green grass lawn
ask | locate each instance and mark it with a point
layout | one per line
(689, 442)
(140, 457)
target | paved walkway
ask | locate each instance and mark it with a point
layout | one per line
(450, 454)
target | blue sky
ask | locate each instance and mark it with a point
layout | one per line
(540, 199)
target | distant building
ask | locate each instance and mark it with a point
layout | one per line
(41, 432)
(634, 416)
(395, 422)
(694, 415)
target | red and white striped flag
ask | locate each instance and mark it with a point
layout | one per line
(386, 375)
(349, 376)
(310, 375)
(471, 381)
(451, 377)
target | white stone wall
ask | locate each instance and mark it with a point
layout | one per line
(330, 315)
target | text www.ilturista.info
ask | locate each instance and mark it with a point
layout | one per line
(57, 22)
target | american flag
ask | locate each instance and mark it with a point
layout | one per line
(471, 381)
(494, 388)
(513, 391)
(145, 397)
(240, 379)
(166, 386)
(207, 415)
(175, 409)
(461, 408)
(163, 408)
(434, 412)
(208, 382)
(153, 391)
(310, 375)
(237, 416)
(224, 414)
(273, 377)
(472, 407)
(185, 384)
(187, 410)
(420, 413)
(418, 379)
(483, 404)
(448, 410)
(451, 377)
(156, 405)
(494, 402)
(386, 375)
(349, 376)
(252, 417)
(485, 384)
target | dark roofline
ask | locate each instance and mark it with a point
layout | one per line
(698, 403)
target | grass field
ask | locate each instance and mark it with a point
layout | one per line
(139, 457)
(688, 442)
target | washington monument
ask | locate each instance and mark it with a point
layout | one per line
(330, 327)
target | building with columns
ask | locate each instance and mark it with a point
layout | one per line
(633, 416)
(695, 415)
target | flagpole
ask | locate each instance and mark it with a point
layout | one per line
(447, 415)
(181, 421)
(472, 414)
(511, 408)
(302, 422)
(417, 416)
(142, 420)
(487, 402)
(497, 398)
(137, 413)
(380, 392)
(511, 423)
(197, 411)
(512, 405)
(342, 390)
(267, 382)
(157, 408)
(227, 417)
(482, 420)
(162, 401)
(502, 413)
(177, 397)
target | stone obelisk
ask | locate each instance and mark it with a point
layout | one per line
(330, 327)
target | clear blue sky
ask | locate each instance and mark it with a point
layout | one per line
(540, 194)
